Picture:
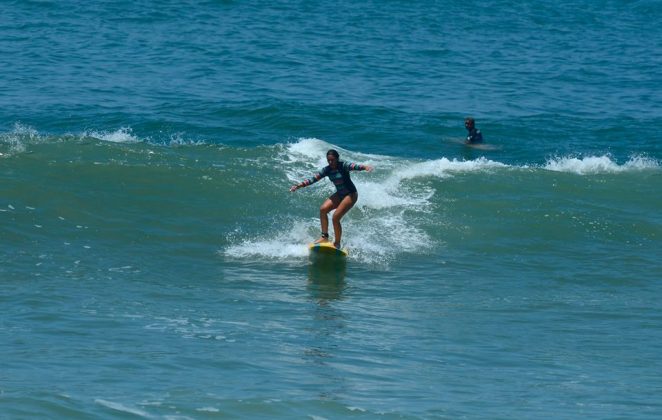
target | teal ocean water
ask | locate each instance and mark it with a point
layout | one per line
(153, 262)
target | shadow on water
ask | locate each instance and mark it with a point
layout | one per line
(326, 277)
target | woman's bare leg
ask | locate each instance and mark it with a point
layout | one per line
(329, 205)
(341, 209)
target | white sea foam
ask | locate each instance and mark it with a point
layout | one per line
(379, 239)
(599, 165)
(386, 187)
(122, 135)
(123, 408)
(18, 139)
(208, 410)
(366, 241)
(385, 208)
(311, 152)
(444, 167)
(290, 242)
(308, 150)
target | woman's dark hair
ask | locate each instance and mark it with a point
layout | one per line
(333, 152)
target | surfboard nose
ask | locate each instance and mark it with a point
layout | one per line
(327, 248)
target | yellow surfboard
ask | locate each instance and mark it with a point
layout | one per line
(327, 248)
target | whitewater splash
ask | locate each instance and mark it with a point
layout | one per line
(592, 165)
(16, 140)
(385, 222)
(365, 239)
(22, 136)
(287, 243)
(122, 135)
(19, 140)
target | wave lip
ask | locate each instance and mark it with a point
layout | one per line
(123, 135)
(600, 165)
(16, 141)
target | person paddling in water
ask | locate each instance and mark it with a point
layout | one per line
(474, 136)
(344, 198)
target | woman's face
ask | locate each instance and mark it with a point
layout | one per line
(333, 161)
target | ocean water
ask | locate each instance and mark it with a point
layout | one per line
(153, 262)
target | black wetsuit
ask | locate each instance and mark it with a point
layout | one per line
(475, 136)
(339, 177)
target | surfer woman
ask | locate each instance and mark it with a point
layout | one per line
(344, 198)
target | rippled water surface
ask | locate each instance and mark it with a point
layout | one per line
(153, 262)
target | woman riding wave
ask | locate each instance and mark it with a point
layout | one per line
(342, 200)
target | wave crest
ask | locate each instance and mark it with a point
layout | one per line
(600, 165)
